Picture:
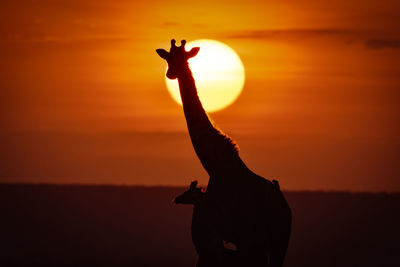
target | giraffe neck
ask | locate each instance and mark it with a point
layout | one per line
(198, 122)
(216, 151)
(196, 117)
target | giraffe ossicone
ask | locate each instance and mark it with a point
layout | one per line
(177, 58)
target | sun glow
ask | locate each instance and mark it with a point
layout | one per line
(219, 75)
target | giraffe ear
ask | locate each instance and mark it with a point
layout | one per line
(193, 52)
(162, 53)
(193, 185)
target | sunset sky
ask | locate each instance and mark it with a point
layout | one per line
(83, 95)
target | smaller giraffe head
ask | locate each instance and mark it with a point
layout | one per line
(177, 58)
(192, 196)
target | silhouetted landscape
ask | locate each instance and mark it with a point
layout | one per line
(139, 226)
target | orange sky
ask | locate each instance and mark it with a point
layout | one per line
(84, 101)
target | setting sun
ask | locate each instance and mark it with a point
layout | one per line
(219, 75)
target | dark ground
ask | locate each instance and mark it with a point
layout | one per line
(138, 226)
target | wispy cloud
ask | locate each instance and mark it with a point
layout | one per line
(387, 39)
(382, 43)
(171, 24)
(288, 33)
(50, 38)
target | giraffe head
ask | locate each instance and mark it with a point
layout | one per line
(191, 196)
(177, 58)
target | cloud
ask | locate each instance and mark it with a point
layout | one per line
(288, 33)
(171, 24)
(54, 39)
(388, 40)
(382, 43)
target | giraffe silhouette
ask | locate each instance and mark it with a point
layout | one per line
(252, 211)
(206, 234)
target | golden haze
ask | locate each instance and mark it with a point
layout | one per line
(84, 101)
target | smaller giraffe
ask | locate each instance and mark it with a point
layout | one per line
(212, 250)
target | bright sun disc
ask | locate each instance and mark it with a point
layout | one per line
(218, 72)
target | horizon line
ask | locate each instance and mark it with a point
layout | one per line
(183, 186)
